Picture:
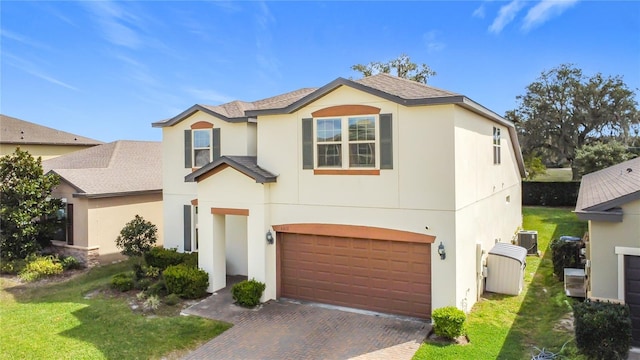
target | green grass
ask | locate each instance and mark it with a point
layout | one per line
(55, 321)
(555, 175)
(509, 327)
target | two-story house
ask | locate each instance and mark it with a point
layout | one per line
(380, 193)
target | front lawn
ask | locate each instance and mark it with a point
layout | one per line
(57, 320)
(510, 327)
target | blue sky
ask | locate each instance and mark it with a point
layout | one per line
(106, 70)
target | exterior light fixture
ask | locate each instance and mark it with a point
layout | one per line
(269, 237)
(441, 252)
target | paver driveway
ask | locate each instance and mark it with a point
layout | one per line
(290, 330)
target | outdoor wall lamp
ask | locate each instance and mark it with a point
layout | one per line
(269, 237)
(441, 252)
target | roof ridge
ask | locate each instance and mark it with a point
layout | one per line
(112, 157)
(411, 82)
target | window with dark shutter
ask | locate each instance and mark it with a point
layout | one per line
(187, 227)
(307, 143)
(216, 144)
(187, 149)
(386, 142)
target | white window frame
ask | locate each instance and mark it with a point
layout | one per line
(344, 142)
(621, 251)
(497, 156)
(194, 148)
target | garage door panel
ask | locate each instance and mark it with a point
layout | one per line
(379, 275)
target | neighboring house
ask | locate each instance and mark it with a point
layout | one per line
(103, 188)
(39, 140)
(359, 182)
(610, 200)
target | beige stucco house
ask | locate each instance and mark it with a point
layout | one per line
(38, 140)
(610, 200)
(344, 194)
(102, 189)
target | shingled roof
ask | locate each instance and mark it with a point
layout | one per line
(247, 165)
(21, 132)
(603, 192)
(114, 169)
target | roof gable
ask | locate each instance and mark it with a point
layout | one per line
(21, 132)
(247, 165)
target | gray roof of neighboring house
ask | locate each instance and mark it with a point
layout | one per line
(247, 165)
(20, 132)
(603, 192)
(115, 169)
(389, 87)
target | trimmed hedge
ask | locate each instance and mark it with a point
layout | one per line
(603, 329)
(449, 322)
(162, 258)
(565, 254)
(186, 281)
(539, 193)
(248, 292)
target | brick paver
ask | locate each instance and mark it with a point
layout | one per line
(291, 330)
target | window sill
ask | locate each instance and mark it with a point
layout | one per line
(346, 172)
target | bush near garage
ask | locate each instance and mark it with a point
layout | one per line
(565, 254)
(186, 281)
(163, 258)
(603, 329)
(449, 322)
(248, 292)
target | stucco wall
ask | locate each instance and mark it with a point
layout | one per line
(44, 151)
(603, 238)
(236, 139)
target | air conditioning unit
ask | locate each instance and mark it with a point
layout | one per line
(575, 282)
(529, 240)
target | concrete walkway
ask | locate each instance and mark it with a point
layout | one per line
(291, 330)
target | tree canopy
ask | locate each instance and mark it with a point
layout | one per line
(137, 237)
(402, 66)
(564, 110)
(25, 204)
(590, 158)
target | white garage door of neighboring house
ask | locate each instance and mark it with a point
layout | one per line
(632, 293)
(379, 275)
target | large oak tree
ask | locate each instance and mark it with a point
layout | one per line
(564, 110)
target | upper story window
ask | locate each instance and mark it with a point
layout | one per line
(348, 142)
(496, 145)
(202, 140)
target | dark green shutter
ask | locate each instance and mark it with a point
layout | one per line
(307, 143)
(187, 227)
(386, 142)
(216, 144)
(187, 149)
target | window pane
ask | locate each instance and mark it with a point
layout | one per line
(201, 157)
(329, 130)
(201, 139)
(362, 155)
(362, 128)
(329, 155)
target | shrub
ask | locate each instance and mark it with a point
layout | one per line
(12, 267)
(151, 303)
(172, 299)
(190, 259)
(603, 330)
(157, 288)
(162, 258)
(137, 237)
(40, 266)
(449, 322)
(122, 281)
(248, 292)
(70, 263)
(143, 284)
(186, 281)
(565, 254)
(151, 271)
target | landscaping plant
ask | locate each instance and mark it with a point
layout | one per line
(123, 281)
(449, 322)
(603, 329)
(565, 254)
(162, 258)
(137, 237)
(186, 281)
(248, 292)
(38, 267)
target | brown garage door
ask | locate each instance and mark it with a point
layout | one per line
(379, 275)
(632, 294)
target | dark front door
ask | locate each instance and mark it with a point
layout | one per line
(632, 294)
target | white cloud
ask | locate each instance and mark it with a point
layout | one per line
(545, 10)
(506, 14)
(266, 58)
(479, 12)
(432, 41)
(116, 23)
(23, 39)
(32, 69)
